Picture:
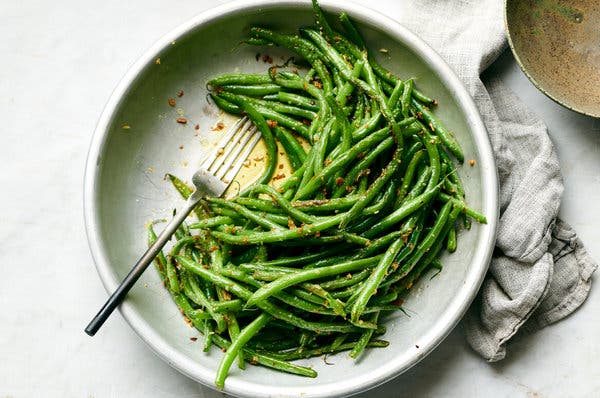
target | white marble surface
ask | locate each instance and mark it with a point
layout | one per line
(60, 61)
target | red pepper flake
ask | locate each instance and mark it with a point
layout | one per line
(218, 127)
(172, 101)
(306, 122)
(472, 162)
(197, 127)
(361, 155)
(339, 181)
(337, 38)
(194, 338)
(271, 123)
(180, 93)
(180, 146)
(212, 249)
(181, 120)
(267, 59)
(317, 84)
(279, 176)
(281, 166)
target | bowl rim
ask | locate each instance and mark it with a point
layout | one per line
(531, 78)
(451, 316)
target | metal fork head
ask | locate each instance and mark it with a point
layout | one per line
(220, 167)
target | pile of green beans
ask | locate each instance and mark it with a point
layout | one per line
(278, 274)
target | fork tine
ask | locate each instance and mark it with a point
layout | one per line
(223, 142)
(229, 147)
(235, 155)
(233, 169)
(232, 150)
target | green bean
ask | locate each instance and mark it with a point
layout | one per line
(396, 94)
(284, 108)
(453, 175)
(408, 176)
(195, 294)
(249, 214)
(451, 240)
(267, 113)
(428, 241)
(480, 218)
(160, 261)
(364, 339)
(351, 31)
(295, 300)
(300, 46)
(265, 305)
(435, 125)
(320, 149)
(347, 88)
(240, 79)
(225, 105)
(294, 355)
(237, 344)
(406, 95)
(233, 305)
(298, 100)
(407, 208)
(302, 276)
(363, 164)
(211, 222)
(373, 190)
(370, 286)
(345, 280)
(330, 302)
(254, 356)
(366, 127)
(340, 162)
(256, 90)
(267, 136)
(295, 152)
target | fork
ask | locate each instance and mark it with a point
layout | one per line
(214, 176)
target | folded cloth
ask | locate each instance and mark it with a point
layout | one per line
(540, 271)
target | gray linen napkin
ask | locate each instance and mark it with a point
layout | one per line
(540, 271)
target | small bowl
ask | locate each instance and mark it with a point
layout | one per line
(557, 45)
(138, 140)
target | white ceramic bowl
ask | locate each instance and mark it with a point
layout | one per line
(124, 189)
